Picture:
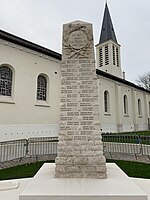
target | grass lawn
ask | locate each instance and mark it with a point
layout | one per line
(132, 169)
(20, 171)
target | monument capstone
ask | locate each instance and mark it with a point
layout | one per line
(80, 150)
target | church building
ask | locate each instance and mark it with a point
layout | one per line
(30, 88)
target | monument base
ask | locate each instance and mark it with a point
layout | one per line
(118, 186)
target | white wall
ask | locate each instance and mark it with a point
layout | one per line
(108, 120)
(25, 131)
(116, 120)
(23, 108)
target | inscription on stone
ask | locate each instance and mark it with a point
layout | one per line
(79, 138)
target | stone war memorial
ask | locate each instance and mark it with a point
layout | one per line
(79, 171)
(80, 150)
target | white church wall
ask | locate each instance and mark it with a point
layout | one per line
(116, 120)
(142, 118)
(25, 131)
(108, 119)
(22, 107)
(127, 122)
(108, 127)
(133, 121)
(147, 105)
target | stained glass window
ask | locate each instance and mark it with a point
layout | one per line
(41, 88)
(5, 81)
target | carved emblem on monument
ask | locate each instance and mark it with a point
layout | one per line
(77, 41)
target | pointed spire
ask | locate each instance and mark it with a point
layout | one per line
(107, 31)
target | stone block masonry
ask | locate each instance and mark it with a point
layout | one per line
(80, 153)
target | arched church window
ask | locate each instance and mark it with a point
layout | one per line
(106, 101)
(5, 81)
(125, 103)
(41, 88)
(139, 107)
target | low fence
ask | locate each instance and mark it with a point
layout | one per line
(112, 143)
(18, 149)
(42, 146)
(128, 144)
(12, 149)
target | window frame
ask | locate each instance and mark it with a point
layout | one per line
(139, 107)
(125, 105)
(5, 98)
(106, 102)
(44, 103)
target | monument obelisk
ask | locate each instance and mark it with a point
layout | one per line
(80, 150)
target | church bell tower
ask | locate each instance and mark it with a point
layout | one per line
(108, 49)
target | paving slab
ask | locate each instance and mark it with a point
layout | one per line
(118, 186)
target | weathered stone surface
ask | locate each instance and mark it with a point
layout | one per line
(80, 150)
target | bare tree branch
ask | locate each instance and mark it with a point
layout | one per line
(144, 80)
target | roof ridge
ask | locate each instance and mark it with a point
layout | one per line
(25, 43)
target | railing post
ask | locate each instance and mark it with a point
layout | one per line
(27, 147)
(141, 146)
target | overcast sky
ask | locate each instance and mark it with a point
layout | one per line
(40, 21)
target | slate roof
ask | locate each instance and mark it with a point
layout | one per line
(107, 30)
